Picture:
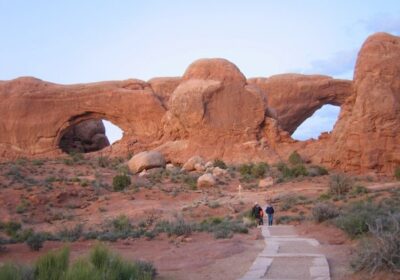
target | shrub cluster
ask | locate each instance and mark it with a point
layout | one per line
(120, 182)
(381, 251)
(324, 211)
(100, 264)
(251, 170)
(339, 184)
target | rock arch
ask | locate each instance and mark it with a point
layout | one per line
(37, 112)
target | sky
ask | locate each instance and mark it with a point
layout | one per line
(79, 41)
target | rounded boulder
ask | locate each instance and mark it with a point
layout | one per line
(146, 160)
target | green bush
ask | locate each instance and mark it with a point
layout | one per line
(324, 211)
(120, 182)
(101, 264)
(339, 184)
(82, 270)
(11, 228)
(53, 265)
(299, 170)
(220, 163)
(252, 170)
(35, 241)
(397, 173)
(112, 266)
(295, 158)
(122, 224)
(10, 271)
(259, 169)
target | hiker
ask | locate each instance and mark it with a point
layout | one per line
(257, 213)
(270, 212)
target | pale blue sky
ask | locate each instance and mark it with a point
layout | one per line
(85, 41)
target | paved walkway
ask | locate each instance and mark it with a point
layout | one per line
(287, 256)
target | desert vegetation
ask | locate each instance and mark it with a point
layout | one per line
(100, 264)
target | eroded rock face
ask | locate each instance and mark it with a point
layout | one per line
(36, 114)
(87, 136)
(214, 112)
(366, 136)
(292, 98)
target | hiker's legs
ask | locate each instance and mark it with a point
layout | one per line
(270, 219)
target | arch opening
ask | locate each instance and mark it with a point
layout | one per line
(89, 135)
(323, 120)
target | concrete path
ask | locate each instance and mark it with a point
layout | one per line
(287, 256)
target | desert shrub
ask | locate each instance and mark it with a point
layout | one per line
(111, 266)
(245, 169)
(10, 271)
(295, 158)
(11, 228)
(35, 241)
(220, 163)
(381, 251)
(259, 170)
(252, 170)
(82, 270)
(288, 202)
(355, 218)
(15, 173)
(299, 170)
(190, 180)
(122, 224)
(103, 161)
(359, 190)
(324, 211)
(223, 227)
(180, 227)
(286, 172)
(52, 265)
(339, 184)
(121, 181)
(397, 173)
(286, 219)
(37, 162)
(316, 170)
(70, 234)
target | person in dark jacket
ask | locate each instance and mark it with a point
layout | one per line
(270, 212)
(257, 213)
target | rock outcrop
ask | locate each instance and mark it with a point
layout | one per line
(213, 111)
(292, 98)
(366, 136)
(87, 136)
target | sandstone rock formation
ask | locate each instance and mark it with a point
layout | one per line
(366, 136)
(215, 112)
(307, 93)
(146, 160)
(206, 181)
(87, 136)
